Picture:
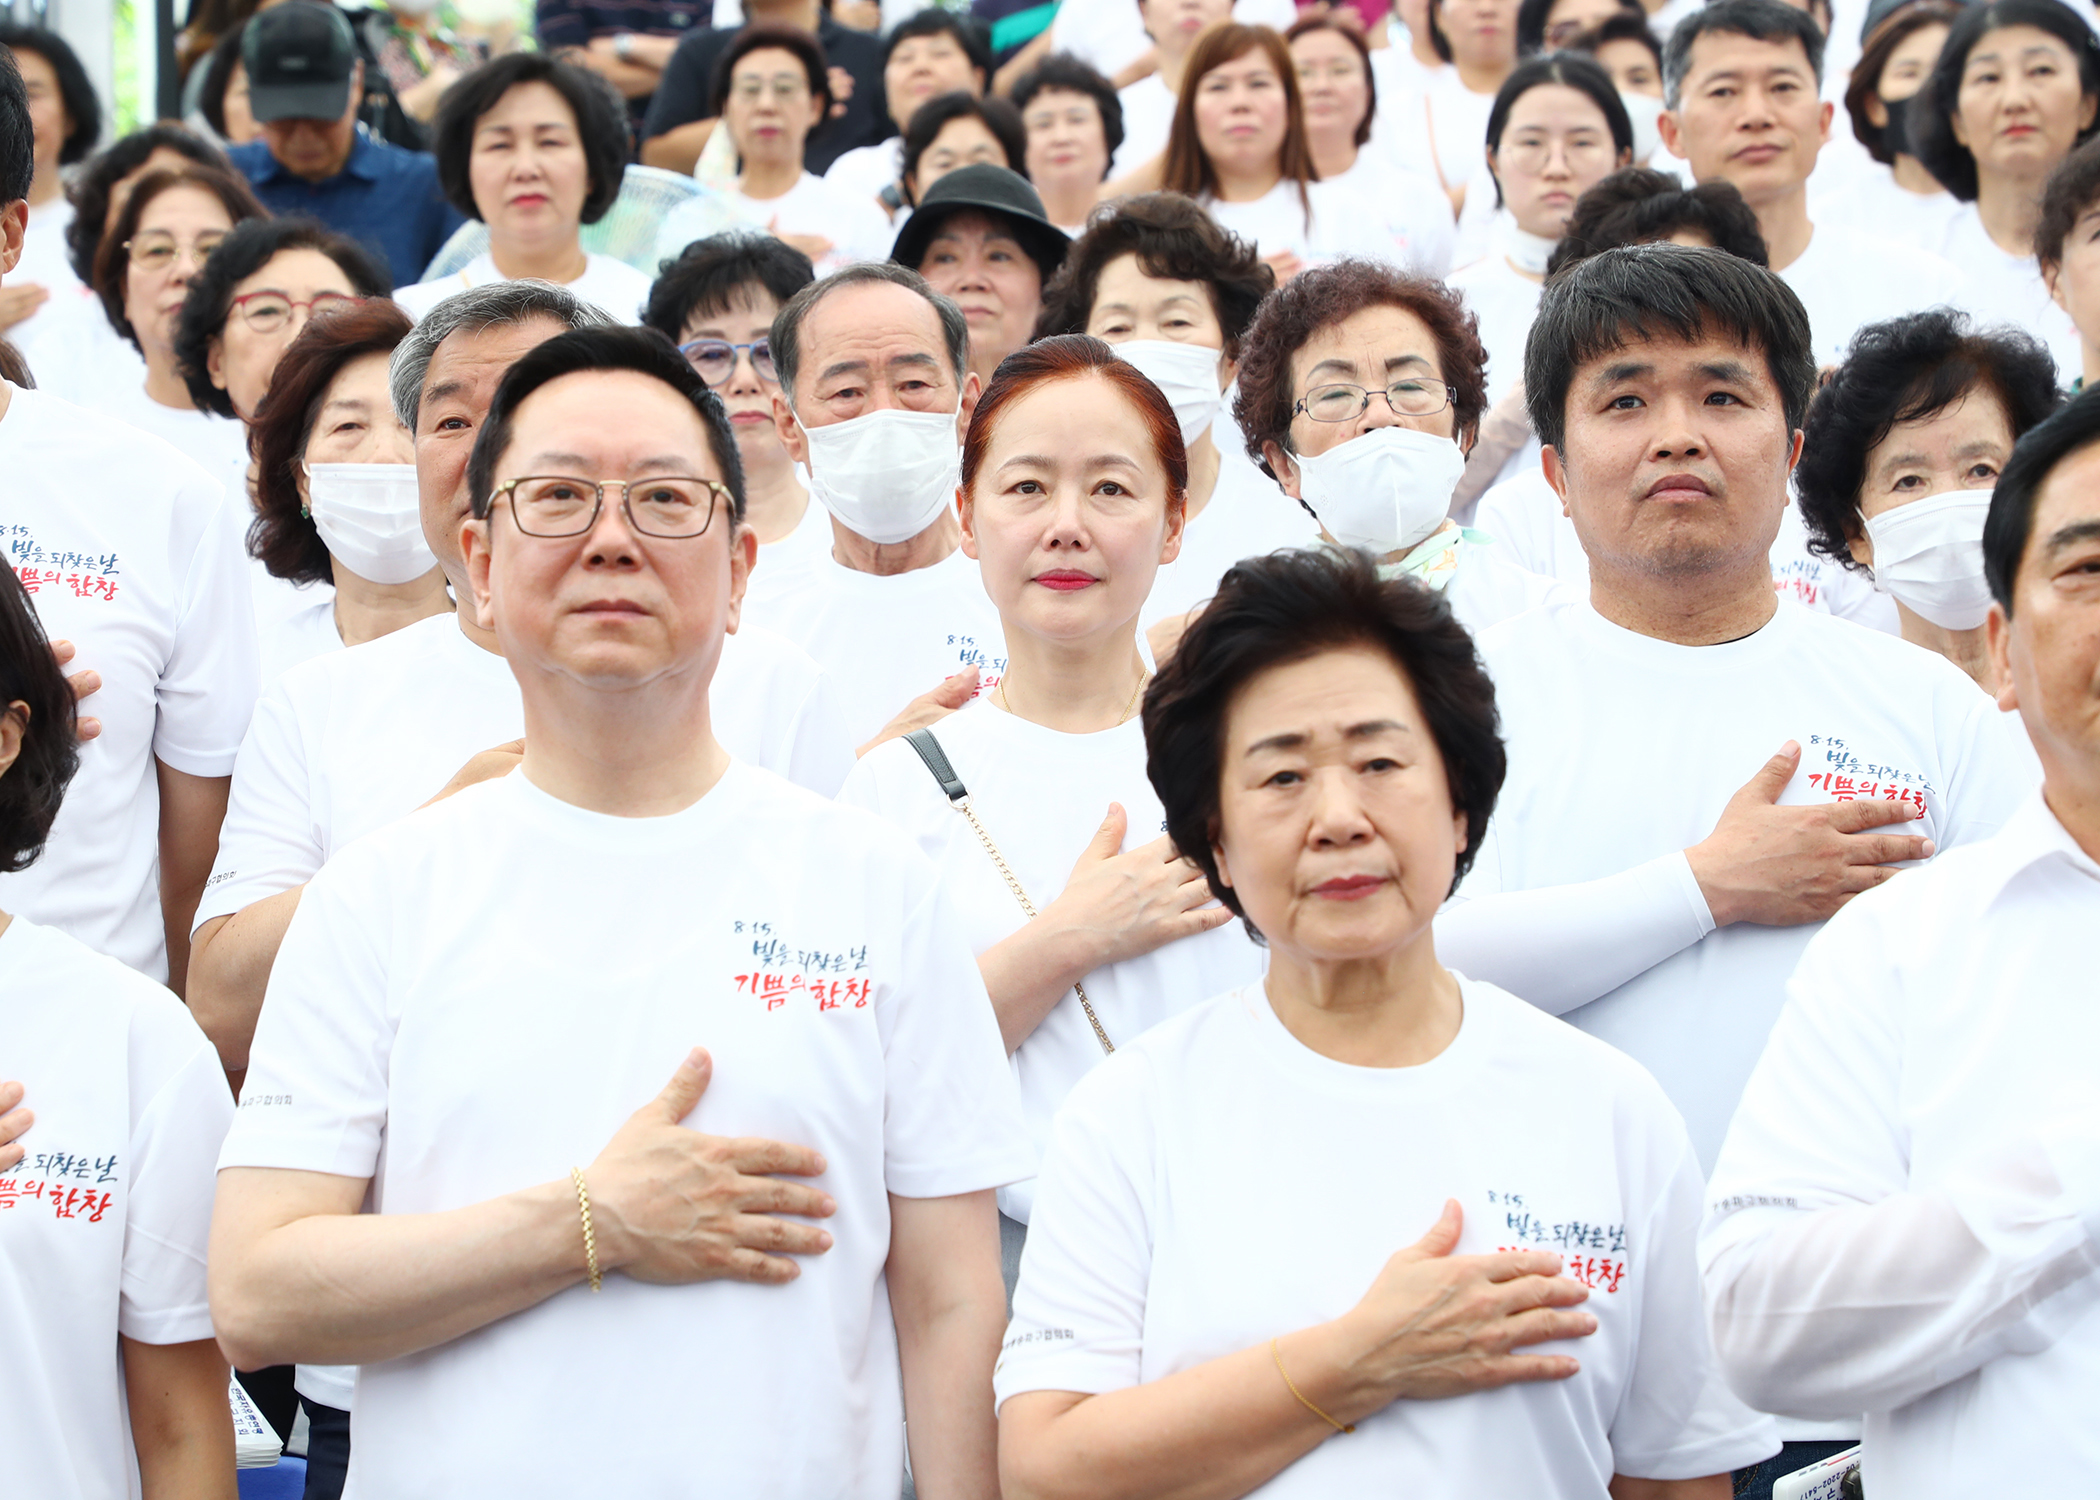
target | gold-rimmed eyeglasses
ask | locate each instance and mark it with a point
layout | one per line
(553, 505)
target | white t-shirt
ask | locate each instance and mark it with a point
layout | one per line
(855, 225)
(1248, 515)
(612, 286)
(44, 264)
(1414, 210)
(1343, 223)
(865, 171)
(75, 355)
(428, 1004)
(1589, 710)
(1488, 587)
(1143, 1260)
(884, 640)
(1148, 119)
(788, 564)
(103, 1224)
(218, 445)
(1505, 301)
(1041, 795)
(1524, 516)
(1847, 280)
(303, 634)
(355, 739)
(132, 553)
(1439, 131)
(1109, 35)
(1871, 202)
(1906, 1217)
(2009, 289)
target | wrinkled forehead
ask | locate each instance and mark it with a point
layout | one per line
(469, 363)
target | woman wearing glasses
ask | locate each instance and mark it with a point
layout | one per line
(167, 230)
(716, 301)
(1361, 391)
(535, 149)
(335, 489)
(775, 87)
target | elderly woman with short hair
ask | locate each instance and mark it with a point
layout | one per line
(1471, 1269)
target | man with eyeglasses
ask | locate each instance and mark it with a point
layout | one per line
(1701, 771)
(1360, 391)
(475, 1010)
(133, 557)
(1742, 81)
(717, 302)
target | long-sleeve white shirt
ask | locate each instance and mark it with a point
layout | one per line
(1905, 1217)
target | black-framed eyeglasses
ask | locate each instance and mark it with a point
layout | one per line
(267, 311)
(1340, 402)
(714, 360)
(551, 505)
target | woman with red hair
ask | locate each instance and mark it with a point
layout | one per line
(1088, 926)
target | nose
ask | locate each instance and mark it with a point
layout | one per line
(973, 275)
(611, 543)
(1679, 437)
(1338, 820)
(743, 378)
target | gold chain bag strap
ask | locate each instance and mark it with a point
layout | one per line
(958, 796)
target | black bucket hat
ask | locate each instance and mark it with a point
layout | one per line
(1004, 194)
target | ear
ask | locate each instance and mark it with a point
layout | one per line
(1177, 528)
(1997, 635)
(14, 223)
(966, 514)
(1285, 468)
(817, 110)
(474, 548)
(14, 723)
(2053, 278)
(1458, 832)
(1824, 116)
(1861, 547)
(1671, 129)
(971, 390)
(306, 494)
(743, 557)
(2085, 113)
(789, 430)
(215, 371)
(1228, 372)
(1556, 472)
(1793, 451)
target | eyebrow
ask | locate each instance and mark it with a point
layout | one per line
(2066, 537)
(1348, 366)
(1046, 461)
(444, 390)
(857, 366)
(1295, 740)
(658, 462)
(1915, 459)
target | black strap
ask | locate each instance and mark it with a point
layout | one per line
(936, 759)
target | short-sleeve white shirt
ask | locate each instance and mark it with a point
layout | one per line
(134, 554)
(1143, 1259)
(611, 285)
(474, 999)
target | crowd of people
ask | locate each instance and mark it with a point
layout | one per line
(1051, 612)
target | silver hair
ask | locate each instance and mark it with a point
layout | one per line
(787, 324)
(500, 304)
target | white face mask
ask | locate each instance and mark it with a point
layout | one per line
(1186, 374)
(1928, 554)
(1385, 490)
(886, 475)
(369, 516)
(1645, 110)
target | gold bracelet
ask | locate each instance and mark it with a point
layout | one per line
(1277, 1354)
(590, 1240)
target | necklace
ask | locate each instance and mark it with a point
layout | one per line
(1121, 718)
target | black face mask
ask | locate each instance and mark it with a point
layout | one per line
(1895, 136)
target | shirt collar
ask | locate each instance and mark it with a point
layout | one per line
(2033, 836)
(363, 162)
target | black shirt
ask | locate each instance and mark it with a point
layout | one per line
(686, 91)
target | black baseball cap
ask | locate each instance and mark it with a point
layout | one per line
(1005, 195)
(299, 59)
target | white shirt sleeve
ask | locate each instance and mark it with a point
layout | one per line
(174, 1148)
(1991, 770)
(1563, 946)
(820, 751)
(1079, 1310)
(1833, 1285)
(953, 1123)
(315, 1098)
(268, 842)
(207, 688)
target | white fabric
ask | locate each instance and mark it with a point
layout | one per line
(1847, 279)
(866, 170)
(612, 286)
(883, 640)
(1148, 119)
(218, 445)
(44, 264)
(1413, 209)
(302, 635)
(1524, 516)
(1343, 223)
(136, 557)
(1248, 515)
(1041, 795)
(356, 739)
(853, 222)
(74, 353)
(2006, 288)
(1145, 1260)
(1906, 1216)
(1623, 751)
(1505, 302)
(1489, 588)
(103, 1224)
(1439, 131)
(452, 974)
(788, 564)
(1870, 202)
(1480, 217)
(1109, 35)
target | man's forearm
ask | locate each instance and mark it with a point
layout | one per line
(230, 963)
(950, 1308)
(345, 1288)
(181, 1428)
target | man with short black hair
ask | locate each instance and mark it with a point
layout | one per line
(1905, 1219)
(795, 1237)
(305, 87)
(1742, 80)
